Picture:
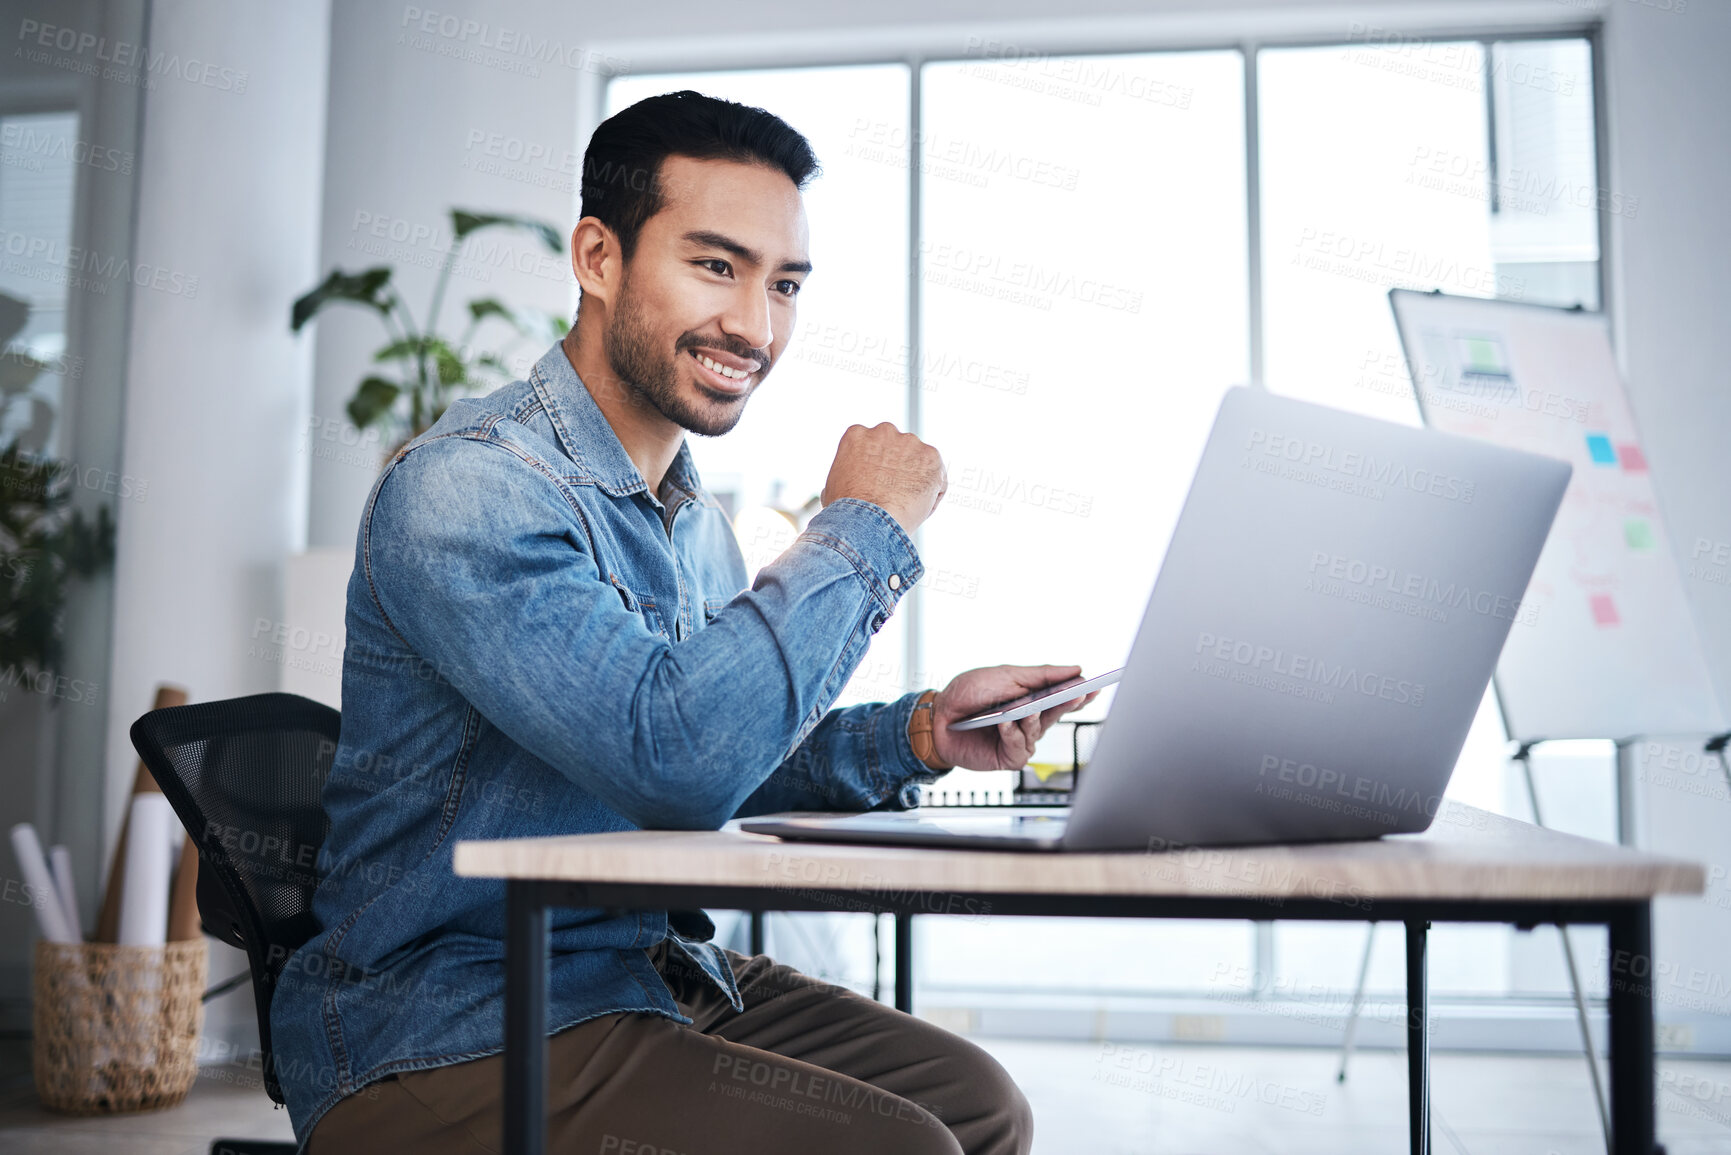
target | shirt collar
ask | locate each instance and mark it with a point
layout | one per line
(587, 437)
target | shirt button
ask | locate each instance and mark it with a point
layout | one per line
(895, 581)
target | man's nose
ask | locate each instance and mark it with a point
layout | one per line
(748, 318)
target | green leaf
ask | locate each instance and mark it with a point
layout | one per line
(372, 401)
(14, 312)
(398, 350)
(492, 307)
(364, 288)
(464, 222)
(451, 367)
(17, 371)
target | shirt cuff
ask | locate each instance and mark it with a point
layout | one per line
(875, 544)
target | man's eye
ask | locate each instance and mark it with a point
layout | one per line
(717, 265)
(787, 288)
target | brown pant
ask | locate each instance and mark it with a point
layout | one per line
(806, 1067)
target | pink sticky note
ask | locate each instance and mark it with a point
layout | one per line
(1634, 461)
(1604, 610)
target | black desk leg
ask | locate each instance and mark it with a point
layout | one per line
(525, 1020)
(905, 963)
(1417, 1038)
(1632, 1092)
(756, 932)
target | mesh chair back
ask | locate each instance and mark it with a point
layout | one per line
(244, 776)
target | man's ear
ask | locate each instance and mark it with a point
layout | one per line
(596, 259)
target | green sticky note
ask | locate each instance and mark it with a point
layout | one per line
(1638, 533)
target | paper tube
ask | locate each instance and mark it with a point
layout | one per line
(44, 899)
(144, 893)
(108, 919)
(60, 863)
(183, 906)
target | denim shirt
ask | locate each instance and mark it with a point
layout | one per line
(537, 645)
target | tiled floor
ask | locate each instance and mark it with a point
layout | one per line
(1098, 1098)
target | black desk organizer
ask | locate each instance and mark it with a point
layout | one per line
(1030, 791)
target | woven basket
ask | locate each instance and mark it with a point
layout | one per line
(116, 1027)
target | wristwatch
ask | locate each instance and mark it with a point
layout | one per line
(920, 733)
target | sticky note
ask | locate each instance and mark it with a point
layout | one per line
(1637, 533)
(1599, 448)
(1604, 610)
(1634, 461)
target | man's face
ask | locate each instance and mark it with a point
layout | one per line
(708, 299)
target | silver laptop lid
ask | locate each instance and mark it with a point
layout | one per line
(1326, 619)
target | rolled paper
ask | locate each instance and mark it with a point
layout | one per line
(183, 904)
(144, 886)
(44, 899)
(108, 915)
(60, 862)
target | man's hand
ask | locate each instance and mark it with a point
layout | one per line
(888, 468)
(1008, 745)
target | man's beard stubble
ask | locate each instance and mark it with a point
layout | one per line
(653, 377)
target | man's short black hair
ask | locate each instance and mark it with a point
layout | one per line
(622, 166)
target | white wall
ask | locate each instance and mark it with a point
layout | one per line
(217, 392)
(422, 122)
(1669, 93)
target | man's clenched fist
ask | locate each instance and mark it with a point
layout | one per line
(888, 468)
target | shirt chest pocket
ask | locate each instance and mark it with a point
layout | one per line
(641, 605)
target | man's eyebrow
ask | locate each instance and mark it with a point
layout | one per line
(713, 240)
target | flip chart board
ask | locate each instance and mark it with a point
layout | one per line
(1606, 646)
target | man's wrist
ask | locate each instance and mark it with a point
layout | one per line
(922, 732)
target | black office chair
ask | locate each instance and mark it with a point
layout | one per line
(242, 772)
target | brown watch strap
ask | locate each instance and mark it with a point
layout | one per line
(920, 733)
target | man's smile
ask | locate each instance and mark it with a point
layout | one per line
(723, 371)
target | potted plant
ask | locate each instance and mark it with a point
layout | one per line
(44, 542)
(427, 369)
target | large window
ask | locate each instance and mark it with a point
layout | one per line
(1095, 260)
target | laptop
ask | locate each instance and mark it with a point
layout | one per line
(1324, 624)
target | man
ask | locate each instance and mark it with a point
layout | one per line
(547, 634)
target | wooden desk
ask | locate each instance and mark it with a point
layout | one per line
(1470, 866)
